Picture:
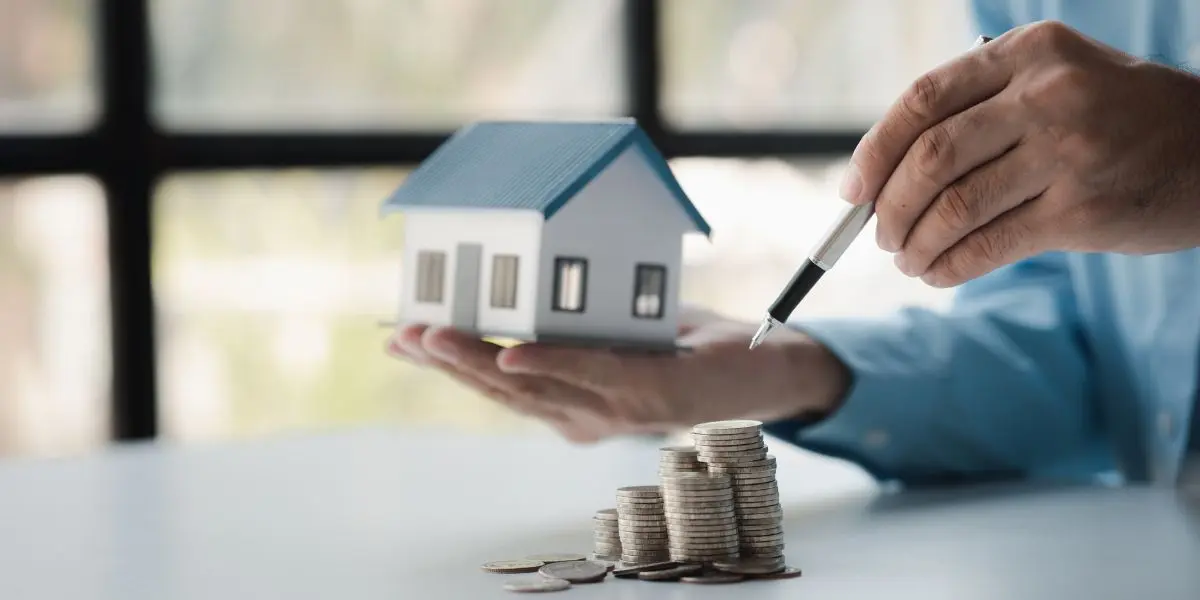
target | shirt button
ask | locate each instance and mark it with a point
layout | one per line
(876, 438)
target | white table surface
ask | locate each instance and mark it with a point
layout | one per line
(375, 514)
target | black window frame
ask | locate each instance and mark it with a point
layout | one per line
(662, 292)
(555, 300)
(128, 154)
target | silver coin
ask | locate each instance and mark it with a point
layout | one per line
(756, 508)
(678, 450)
(609, 562)
(756, 450)
(750, 522)
(674, 494)
(756, 495)
(626, 570)
(728, 427)
(755, 554)
(743, 460)
(761, 530)
(697, 520)
(757, 502)
(770, 550)
(606, 514)
(639, 513)
(700, 515)
(761, 540)
(748, 488)
(580, 571)
(720, 503)
(756, 480)
(556, 557)
(727, 445)
(751, 566)
(753, 513)
(704, 444)
(649, 534)
(607, 549)
(513, 566)
(726, 545)
(688, 534)
(638, 491)
(642, 521)
(641, 559)
(672, 574)
(540, 584)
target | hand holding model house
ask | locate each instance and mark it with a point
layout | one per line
(568, 236)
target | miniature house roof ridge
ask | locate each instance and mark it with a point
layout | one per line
(529, 165)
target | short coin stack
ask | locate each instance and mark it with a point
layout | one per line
(701, 521)
(736, 449)
(679, 459)
(642, 524)
(607, 541)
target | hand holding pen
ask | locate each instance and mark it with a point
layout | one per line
(822, 259)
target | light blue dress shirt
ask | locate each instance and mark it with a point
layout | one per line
(1076, 366)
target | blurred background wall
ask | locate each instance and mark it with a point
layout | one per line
(268, 282)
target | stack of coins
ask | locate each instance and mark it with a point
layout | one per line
(736, 449)
(642, 525)
(608, 536)
(701, 521)
(679, 459)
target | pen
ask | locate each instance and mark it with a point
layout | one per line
(822, 258)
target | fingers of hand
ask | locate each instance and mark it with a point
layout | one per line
(939, 156)
(944, 91)
(406, 341)
(480, 359)
(596, 370)
(1007, 239)
(972, 202)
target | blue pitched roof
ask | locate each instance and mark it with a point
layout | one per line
(532, 165)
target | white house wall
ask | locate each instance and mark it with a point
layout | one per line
(499, 232)
(624, 216)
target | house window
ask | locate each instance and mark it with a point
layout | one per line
(570, 284)
(431, 276)
(504, 281)
(649, 290)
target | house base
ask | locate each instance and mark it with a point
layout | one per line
(614, 344)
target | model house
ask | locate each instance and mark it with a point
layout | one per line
(547, 231)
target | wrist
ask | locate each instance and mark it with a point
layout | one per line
(815, 383)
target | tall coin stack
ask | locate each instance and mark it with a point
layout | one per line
(642, 524)
(607, 543)
(700, 514)
(736, 449)
(679, 459)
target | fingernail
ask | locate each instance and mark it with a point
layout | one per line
(901, 261)
(933, 279)
(884, 242)
(507, 364)
(851, 186)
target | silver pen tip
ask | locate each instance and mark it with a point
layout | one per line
(767, 325)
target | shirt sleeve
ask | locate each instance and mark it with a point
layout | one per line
(991, 388)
